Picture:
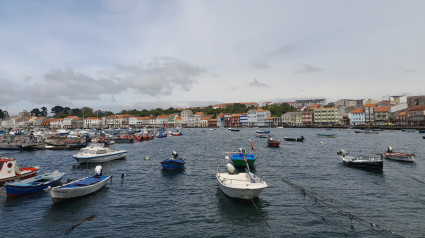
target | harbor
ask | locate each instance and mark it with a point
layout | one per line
(310, 194)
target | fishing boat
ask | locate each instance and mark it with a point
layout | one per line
(98, 152)
(124, 137)
(234, 129)
(301, 139)
(273, 142)
(34, 184)
(173, 163)
(390, 154)
(262, 134)
(80, 188)
(240, 185)
(239, 158)
(361, 162)
(9, 170)
(327, 135)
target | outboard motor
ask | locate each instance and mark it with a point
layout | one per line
(390, 149)
(230, 168)
(98, 171)
(342, 152)
(175, 155)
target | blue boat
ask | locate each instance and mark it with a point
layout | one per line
(174, 163)
(34, 184)
(238, 159)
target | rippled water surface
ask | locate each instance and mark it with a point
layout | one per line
(311, 193)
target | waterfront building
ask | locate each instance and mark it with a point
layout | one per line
(235, 120)
(186, 116)
(309, 102)
(220, 120)
(307, 117)
(204, 122)
(92, 122)
(212, 123)
(403, 118)
(244, 119)
(369, 110)
(349, 102)
(227, 120)
(197, 119)
(178, 121)
(415, 101)
(416, 115)
(326, 116)
(382, 115)
(357, 117)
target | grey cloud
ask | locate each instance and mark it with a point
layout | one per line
(160, 77)
(308, 69)
(256, 83)
(259, 65)
(64, 85)
(7, 94)
(411, 70)
(284, 50)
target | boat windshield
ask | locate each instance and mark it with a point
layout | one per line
(101, 152)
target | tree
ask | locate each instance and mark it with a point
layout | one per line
(44, 111)
(57, 109)
(35, 112)
(331, 104)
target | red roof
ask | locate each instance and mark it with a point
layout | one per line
(382, 109)
(417, 108)
(358, 110)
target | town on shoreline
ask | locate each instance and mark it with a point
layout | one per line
(396, 112)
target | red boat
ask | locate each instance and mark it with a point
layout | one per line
(272, 142)
(10, 171)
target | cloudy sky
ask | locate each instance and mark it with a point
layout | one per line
(136, 54)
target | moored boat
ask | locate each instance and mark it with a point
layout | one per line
(240, 185)
(80, 188)
(301, 139)
(262, 134)
(327, 135)
(273, 142)
(33, 184)
(390, 154)
(9, 170)
(98, 152)
(361, 162)
(173, 163)
(239, 158)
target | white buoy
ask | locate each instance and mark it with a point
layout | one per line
(147, 158)
(230, 168)
(321, 142)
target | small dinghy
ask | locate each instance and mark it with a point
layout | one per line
(240, 185)
(80, 188)
(34, 184)
(272, 142)
(174, 163)
(361, 162)
(390, 154)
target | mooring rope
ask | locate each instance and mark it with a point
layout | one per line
(407, 175)
(259, 211)
(323, 200)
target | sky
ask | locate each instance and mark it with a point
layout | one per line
(115, 55)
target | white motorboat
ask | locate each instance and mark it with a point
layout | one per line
(80, 188)
(390, 154)
(240, 185)
(98, 152)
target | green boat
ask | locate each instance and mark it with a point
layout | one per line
(238, 159)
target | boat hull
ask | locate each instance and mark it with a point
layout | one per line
(294, 139)
(100, 158)
(73, 190)
(241, 190)
(399, 156)
(28, 173)
(238, 159)
(273, 143)
(13, 190)
(173, 164)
